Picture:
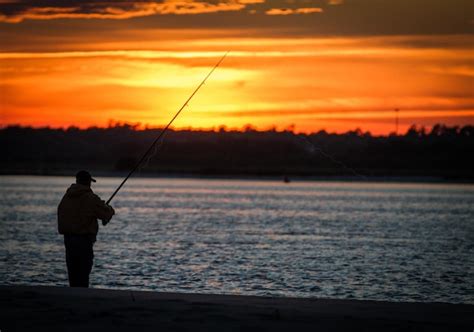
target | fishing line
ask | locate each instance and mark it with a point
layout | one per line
(158, 145)
(328, 156)
(150, 148)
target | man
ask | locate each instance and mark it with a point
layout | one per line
(78, 212)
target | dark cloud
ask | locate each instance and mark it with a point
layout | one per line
(28, 10)
(317, 17)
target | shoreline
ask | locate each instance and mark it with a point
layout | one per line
(47, 308)
(280, 178)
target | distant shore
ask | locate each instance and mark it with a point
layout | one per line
(268, 177)
(42, 308)
(441, 155)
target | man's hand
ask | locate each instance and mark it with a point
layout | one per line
(106, 221)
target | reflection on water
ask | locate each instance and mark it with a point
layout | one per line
(398, 242)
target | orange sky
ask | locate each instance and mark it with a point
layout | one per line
(78, 68)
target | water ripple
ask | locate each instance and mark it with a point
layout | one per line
(397, 242)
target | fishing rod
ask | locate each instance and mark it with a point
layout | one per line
(165, 129)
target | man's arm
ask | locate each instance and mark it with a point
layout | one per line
(103, 211)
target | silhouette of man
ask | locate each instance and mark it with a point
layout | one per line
(78, 212)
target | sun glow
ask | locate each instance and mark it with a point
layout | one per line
(327, 83)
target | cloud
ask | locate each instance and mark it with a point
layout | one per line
(349, 18)
(117, 9)
(290, 11)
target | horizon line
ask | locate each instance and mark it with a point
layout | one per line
(138, 127)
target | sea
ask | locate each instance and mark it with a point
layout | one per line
(318, 239)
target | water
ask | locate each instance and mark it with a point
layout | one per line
(381, 241)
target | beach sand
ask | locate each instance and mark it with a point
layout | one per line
(43, 308)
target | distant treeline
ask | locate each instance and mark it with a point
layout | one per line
(440, 152)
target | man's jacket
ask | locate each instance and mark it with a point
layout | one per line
(79, 210)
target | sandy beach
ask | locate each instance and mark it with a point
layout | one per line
(42, 308)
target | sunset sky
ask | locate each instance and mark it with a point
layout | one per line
(322, 64)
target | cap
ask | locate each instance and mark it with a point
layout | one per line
(84, 176)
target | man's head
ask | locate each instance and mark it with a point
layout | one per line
(84, 178)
